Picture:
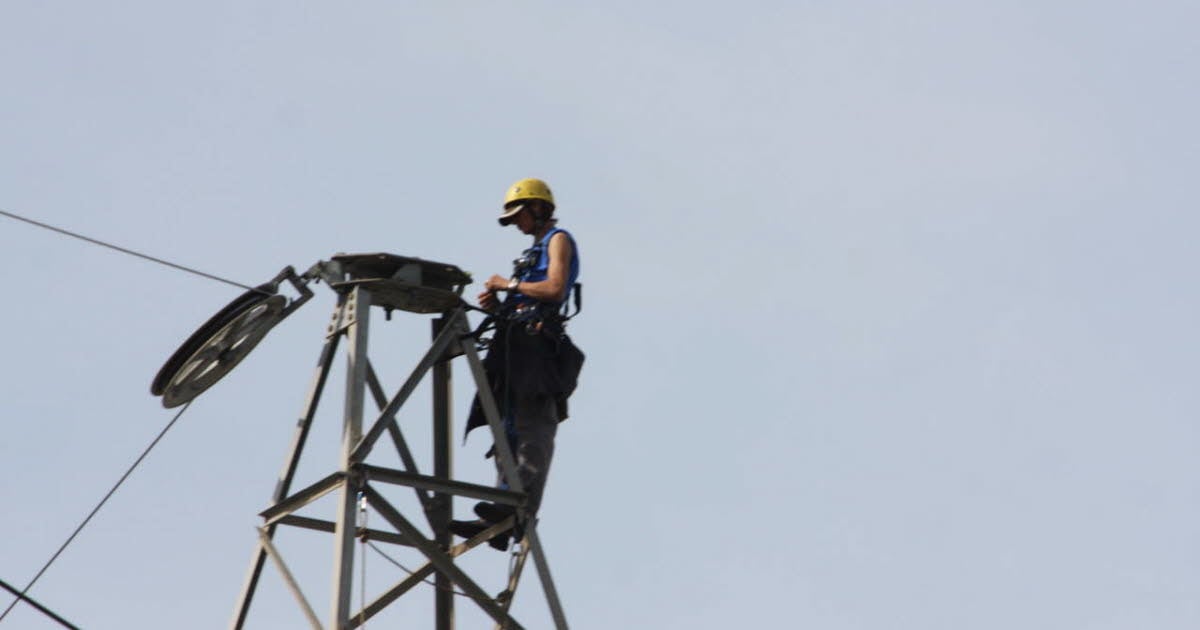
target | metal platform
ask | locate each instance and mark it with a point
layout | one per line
(401, 282)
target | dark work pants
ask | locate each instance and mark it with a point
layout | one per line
(532, 422)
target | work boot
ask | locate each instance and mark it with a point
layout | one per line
(471, 529)
(494, 512)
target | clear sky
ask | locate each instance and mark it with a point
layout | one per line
(890, 317)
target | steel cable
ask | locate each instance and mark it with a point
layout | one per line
(125, 251)
(96, 509)
(45, 611)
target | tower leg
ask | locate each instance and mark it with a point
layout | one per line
(543, 567)
(510, 471)
(283, 486)
(491, 411)
(358, 308)
(442, 509)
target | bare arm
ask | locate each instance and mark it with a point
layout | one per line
(554, 287)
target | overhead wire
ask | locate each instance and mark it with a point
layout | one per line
(21, 595)
(124, 250)
(32, 602)
(96, 509)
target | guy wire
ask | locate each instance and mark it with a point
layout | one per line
(94, 511)
(124, 251)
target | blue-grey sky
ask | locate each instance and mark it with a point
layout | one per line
(890, 314)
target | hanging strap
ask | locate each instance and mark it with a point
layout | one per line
(577, 296)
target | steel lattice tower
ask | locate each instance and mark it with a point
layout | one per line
(363, 283)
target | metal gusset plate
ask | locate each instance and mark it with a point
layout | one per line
(217, 347)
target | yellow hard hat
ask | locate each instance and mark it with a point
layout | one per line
(523, 190)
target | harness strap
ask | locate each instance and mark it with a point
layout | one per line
(577, 295)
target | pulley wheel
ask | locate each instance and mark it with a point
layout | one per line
(217, 347)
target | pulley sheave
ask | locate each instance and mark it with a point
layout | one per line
(224, 340)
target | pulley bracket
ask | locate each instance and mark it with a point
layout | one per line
(225, 339)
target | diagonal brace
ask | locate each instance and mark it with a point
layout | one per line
(491, 411)
(406, 456)
(443, 562)
(418, 576)
(302, 498)
(265, 540)
(442, 485)
(436, 353)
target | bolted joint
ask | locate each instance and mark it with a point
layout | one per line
(357, 477)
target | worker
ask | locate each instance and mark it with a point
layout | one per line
(532, 365)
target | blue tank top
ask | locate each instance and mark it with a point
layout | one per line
(538, 271)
